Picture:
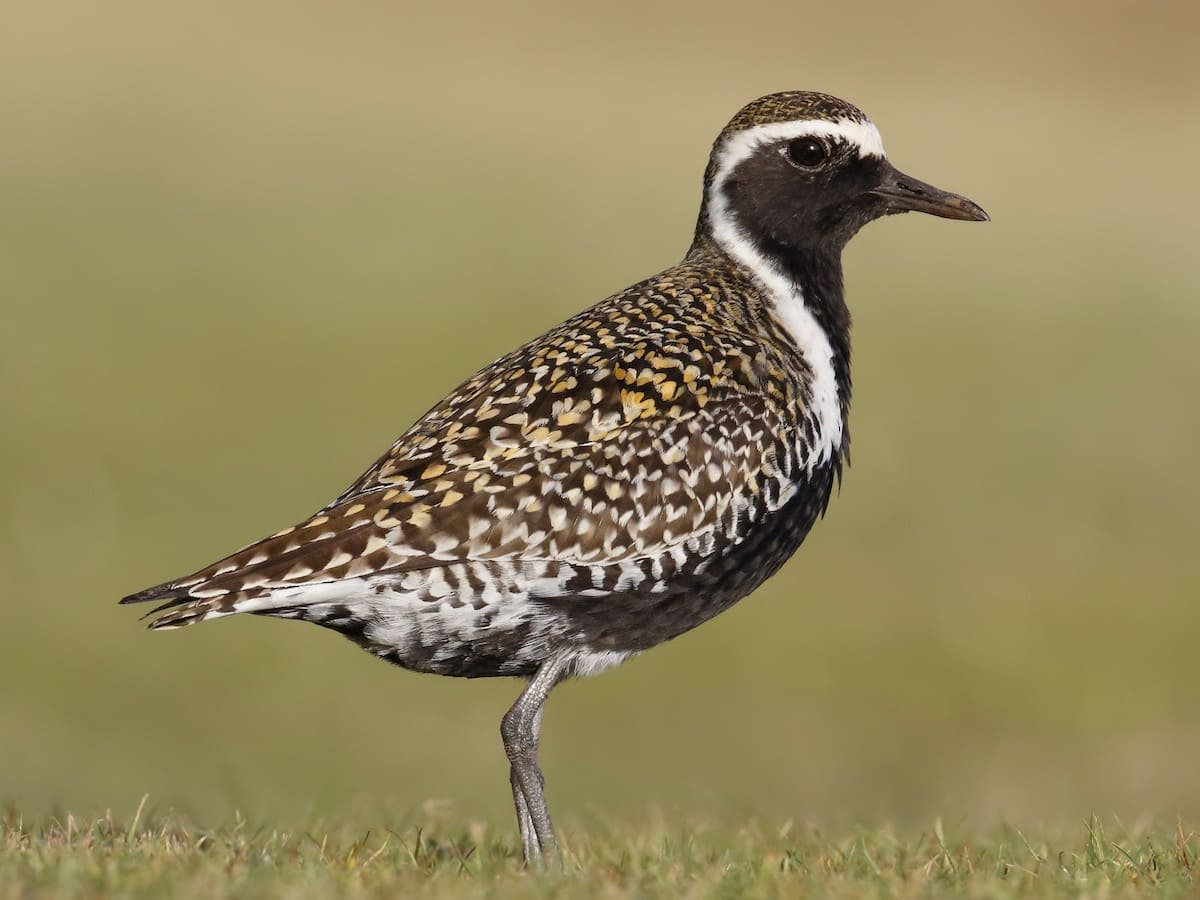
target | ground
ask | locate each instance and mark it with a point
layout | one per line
(169, 856)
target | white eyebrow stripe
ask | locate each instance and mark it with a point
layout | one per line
(862, 135)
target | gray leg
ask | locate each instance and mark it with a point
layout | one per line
(524, 822)
(520, 729)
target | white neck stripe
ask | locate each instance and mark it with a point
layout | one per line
(786, 298)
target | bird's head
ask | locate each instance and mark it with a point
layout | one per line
(803, 172)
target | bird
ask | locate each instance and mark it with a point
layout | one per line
(625, 476)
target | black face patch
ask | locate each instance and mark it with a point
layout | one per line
(800, 199)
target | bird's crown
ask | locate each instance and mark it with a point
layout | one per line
(794, 106)
(798, 113)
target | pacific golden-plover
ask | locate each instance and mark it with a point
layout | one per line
(623, 477)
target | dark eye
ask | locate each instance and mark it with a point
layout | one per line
(807, 153)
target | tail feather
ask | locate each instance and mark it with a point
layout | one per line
(294, 568)
(181, 606)
(189, 613)
(313, 552)
(169, 593)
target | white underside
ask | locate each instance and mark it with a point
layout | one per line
(403, 623)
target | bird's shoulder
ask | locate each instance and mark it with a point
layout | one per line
(680, 347)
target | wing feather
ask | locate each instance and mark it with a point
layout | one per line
(582, 446)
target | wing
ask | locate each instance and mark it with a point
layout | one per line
(578, 448)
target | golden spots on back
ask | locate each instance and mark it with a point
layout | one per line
(648, 376)
(637, 405)
(418, 515)
(385, 518)
(284, 533)
(353, 510)
(451, 497)
(539, 435)
(433, 470)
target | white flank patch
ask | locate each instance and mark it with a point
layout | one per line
(786, 297)
(593, 662)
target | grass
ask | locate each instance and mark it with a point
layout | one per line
(241, 251)
(154, 856)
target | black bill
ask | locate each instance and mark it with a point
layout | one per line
(902, 193)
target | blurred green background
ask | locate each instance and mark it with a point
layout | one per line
(243, 246)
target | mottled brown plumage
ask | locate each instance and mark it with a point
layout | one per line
(615, 436)
(623, 477)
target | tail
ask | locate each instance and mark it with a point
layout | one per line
(277, 575)
(182, 605)
(257, 578)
